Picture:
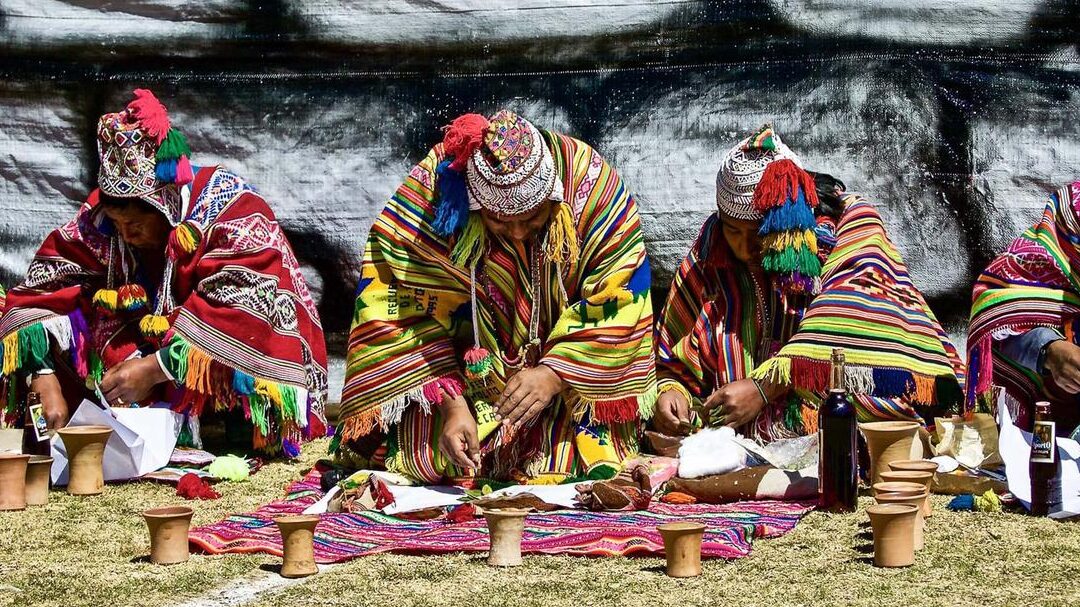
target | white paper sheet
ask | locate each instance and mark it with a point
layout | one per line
(320, 506)
(558, 495)
(411, 499)
(1014, 445)
(142, 440)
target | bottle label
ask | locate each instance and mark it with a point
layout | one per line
(37, 420)
(1044, 442)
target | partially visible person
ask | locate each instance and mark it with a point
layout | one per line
(172, 285)
(1023, 338)
(788, 268)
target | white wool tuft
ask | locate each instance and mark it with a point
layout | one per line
(711, 451)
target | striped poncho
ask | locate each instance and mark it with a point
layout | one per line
(1034, 283)
(720, 326)
(413, 317)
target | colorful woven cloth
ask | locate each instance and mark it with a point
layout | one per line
(730, 530)
(242, 328)
(413, 318)
(1034, 283)
(712, 333)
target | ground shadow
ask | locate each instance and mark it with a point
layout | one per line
(271, 567)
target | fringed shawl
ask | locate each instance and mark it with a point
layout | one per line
(1034, 283)
(244, 329)
(413, 317)
(715, 330)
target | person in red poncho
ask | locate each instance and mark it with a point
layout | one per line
(172, 284)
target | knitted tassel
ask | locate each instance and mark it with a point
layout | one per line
(782, 181)
(229, 468)
(776, 370)
(80, 335)
(165, 170)
(471, 243)
(106, 300)
(793, 215)
(184, 174)
(452, 210)
(184, 240)
(151, 114)
(478, 362)
(11, 353)
(154, 325)
(892, 383)
(33, 347)
(800, 260)
(131, 298)
(173, 147)
(615, 411)
(562, 242)
(462, 137)
(792, 239)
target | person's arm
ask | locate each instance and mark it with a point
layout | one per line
(1029, 349)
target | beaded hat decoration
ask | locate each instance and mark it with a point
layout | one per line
(761, 179)
(142, 156)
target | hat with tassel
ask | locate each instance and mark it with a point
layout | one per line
(761, 179)
(142, 156)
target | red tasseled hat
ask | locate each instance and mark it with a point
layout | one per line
(463, 137)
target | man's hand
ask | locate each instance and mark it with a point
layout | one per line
(131, 381)
(527, 393)
(672, 413)
(1063, 363)
(53, 405)
(737, 403)
(458, 440)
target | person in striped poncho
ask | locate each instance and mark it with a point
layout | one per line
(774, 282)
(503, 323)
(1025, 320)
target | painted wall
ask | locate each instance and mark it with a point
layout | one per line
(956, 116)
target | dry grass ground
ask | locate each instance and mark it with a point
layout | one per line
(89, 552)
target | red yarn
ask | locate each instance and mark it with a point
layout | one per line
(151, 114)
(782, 180)
(464, 135)
(461, 513)
(191, 487)
(184, 175)
(615, 411)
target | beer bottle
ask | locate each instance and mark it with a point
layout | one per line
(838, 467)
(1044, 466)
(31, 445)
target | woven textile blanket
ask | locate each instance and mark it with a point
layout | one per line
(730, 530)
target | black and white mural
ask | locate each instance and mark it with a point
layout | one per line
(956, 116)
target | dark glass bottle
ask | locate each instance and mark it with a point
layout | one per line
(31, 445)
(1044, 465)
(838, 464)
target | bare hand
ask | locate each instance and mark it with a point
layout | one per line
(458, 440)
(1063, 362)
(737, 403)
(672, 413)
(527, 393)
(131, 381)
(53, 405)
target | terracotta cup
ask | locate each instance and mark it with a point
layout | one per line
(912, 476)
(168, 533)
(13, 481)
(682, 547)
(298, 545)
(85, 451)
(917, 465)
(38, 470)
(913, 500)
(899, 487)
(889, 442)
(894, 534)
(505, 528)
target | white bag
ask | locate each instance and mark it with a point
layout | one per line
(142, 440)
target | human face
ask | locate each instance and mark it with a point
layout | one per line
(140, 225)
(518, 227)
(742, 236)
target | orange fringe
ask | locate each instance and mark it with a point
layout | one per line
(676, 497)
(809, 419)
(198, 376)
(925, 389)
(361, 424)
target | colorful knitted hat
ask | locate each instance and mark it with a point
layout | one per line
(505, 166)
(142, 156)
(762, 180)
